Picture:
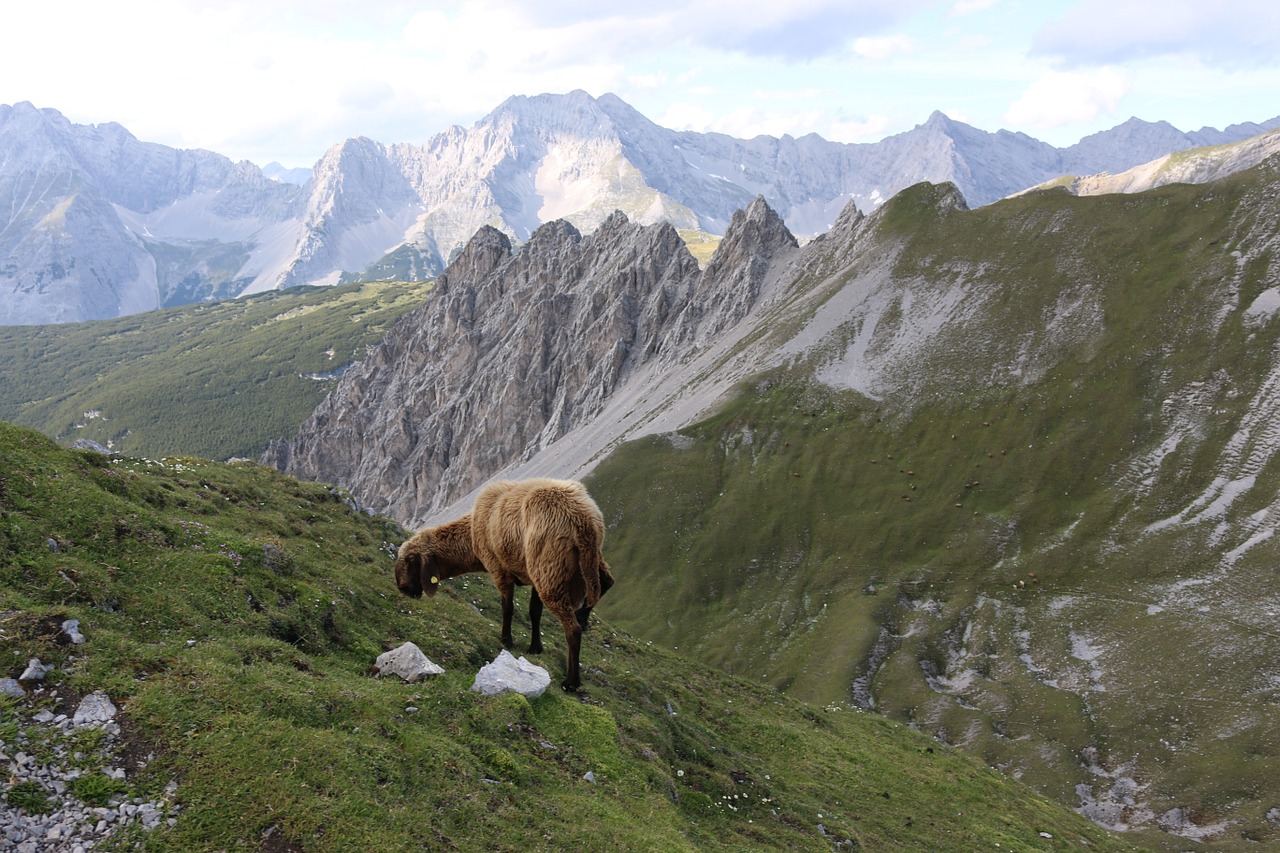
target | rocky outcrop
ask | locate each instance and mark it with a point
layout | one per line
(515, 349)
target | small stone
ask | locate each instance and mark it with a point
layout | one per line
(35, 671)
(590, 777)
(71, 630)
(94, 709)
(45, 716)
(11, 688)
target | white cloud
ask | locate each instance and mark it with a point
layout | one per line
(968, 7)
(1225, 33)
(743, 122)
(1062, 98)
(882, 47)
(869, 129)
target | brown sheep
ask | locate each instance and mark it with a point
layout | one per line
(545, 534)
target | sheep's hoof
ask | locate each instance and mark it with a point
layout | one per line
(508, 643)
(569, 687)
(535, 648)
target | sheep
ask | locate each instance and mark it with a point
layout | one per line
(542, 533)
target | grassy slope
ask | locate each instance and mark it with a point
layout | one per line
(214, 380)
(233, 614)
(759, 537)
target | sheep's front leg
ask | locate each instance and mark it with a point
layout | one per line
(535, 623)
(508, 594)
(573, 633)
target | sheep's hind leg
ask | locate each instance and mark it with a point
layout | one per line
(584, 612)
(573, 634)
(535, 623)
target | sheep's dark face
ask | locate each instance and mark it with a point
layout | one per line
(414, 571)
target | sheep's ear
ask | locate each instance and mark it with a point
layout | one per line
(430, 577)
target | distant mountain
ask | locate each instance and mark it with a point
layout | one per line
(286, 175)
(101, 224)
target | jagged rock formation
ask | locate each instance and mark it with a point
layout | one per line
(101, 224)
(514, 350)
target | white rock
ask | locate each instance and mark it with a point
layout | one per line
(408, 662)
(94, 709)
(72, 629)
(508, 673)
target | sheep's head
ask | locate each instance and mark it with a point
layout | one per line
(415, 567)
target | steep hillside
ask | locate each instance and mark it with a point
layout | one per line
(1016, 483)
(231, 615)
(213, 380)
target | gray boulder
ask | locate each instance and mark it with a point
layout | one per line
(408, 662)
(509, 673)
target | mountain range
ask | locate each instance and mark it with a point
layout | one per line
(102, 224)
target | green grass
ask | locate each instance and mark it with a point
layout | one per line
(30, 797)
(701, 244)
(215, 380)
(233, 614)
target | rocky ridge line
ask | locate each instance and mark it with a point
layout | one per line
(513, 350)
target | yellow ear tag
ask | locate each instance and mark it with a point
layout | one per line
(435, 579)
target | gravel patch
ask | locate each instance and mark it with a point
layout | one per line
(65, 790)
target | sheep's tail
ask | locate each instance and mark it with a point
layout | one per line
(589, 559)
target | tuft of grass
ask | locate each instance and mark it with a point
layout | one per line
(96, 789)
(30, 797)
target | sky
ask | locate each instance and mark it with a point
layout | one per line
(282, 82)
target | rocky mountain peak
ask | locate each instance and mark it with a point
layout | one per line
(486, 250)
